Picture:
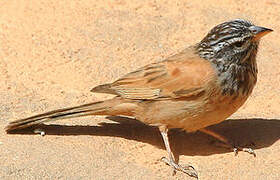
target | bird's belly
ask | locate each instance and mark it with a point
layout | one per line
(212, 112)
(191, 116)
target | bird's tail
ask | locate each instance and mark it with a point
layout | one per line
(96, 108)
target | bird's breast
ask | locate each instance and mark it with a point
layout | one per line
(212, 110)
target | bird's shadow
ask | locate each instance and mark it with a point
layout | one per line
(257, 133)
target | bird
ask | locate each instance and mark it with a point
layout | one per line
(202, 85)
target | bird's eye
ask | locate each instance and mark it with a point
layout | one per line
(239, 44)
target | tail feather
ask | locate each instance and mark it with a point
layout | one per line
(96, 108)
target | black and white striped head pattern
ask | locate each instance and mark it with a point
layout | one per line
(233, 38)
(232, 47)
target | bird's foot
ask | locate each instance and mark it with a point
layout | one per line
(188, 169)
(235, 148)
(224, 142)
(248, 150)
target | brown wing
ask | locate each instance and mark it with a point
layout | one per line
(181, 75)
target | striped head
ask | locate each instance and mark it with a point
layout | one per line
(232, 47)
(234, 40)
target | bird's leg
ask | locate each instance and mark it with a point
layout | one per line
(227, 143)
(188, 169)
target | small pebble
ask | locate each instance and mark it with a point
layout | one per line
(39, 131)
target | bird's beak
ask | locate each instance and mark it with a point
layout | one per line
(259, 31)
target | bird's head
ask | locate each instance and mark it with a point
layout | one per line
(233, 40)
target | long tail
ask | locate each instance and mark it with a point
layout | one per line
(96, 108)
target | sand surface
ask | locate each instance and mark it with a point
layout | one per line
(53, 52)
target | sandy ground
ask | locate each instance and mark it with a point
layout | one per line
(53, 52)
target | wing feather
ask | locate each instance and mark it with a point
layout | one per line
(182, 75)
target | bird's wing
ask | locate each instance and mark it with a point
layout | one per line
(181, 75)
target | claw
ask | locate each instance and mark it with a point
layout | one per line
(248, 150)
(235, 150)
(188, 169)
